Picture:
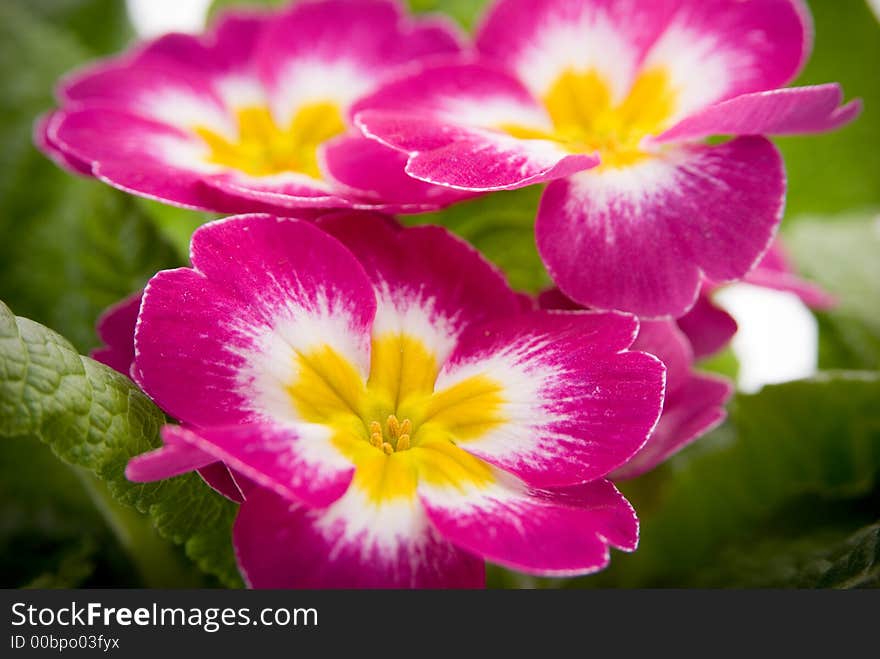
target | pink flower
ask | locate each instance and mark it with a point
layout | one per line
(399, 414)
(694, 402)
(254, 114)
(709, 328)
(610, 101)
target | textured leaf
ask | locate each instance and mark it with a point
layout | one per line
(792, 448)
(502, 226)
(95, 418)
(858, 566)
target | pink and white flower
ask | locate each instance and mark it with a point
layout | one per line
(252, 115)
(611, 101)
(400, 416)
(694, 402)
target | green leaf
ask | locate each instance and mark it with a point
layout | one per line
(102, 25)
(502, 226)
(68, 247)
(176, 225)
(839, 171)
(799, 447)
(96, 419)
(466, 12)
(841, 254)
(858, 566)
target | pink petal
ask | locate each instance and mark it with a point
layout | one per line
(116, 329)
(448, 119)
(694, 403)
(377, 172)
(431, 284)
(44, 142)
(350, 48)
(221, 480)
(173, 459)
(214, 343)
(136, 155)
(691, 411)
(777, 112)
(640, 238)
(297, 462)
(712, 49)
(280, 544)
(539, 39)
(707, 327)
(227, 48)
(576, 404)
(562, 532)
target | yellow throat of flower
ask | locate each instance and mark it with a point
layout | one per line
(395, 427)
(263, 148)
(586, 120)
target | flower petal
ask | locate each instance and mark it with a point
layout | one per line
(563, 532)
(431, 284)
(221, 480)
(552, 397)
(377, 172)
(173, 459)
(137, 155)
(694, 403)
(298, 462)
(640, 238)
(351, 544)
(707, 327)
(776, 112)
(351, 47)
(540, 39)
(691, 411)
(116, 329)
(449, 119)
(713, 50)
(44, 142)
(223, 342)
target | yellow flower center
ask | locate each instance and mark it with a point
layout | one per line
(394, 426)
(263, 148)
(586, 119)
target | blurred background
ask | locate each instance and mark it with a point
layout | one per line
(784, 494)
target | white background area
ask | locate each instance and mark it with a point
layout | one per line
(778, 336)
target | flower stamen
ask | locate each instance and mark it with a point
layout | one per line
(397, 435)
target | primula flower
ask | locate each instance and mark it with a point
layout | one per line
(629, 91)
(694, 402)
(252, 115)
(710, 328)
(399, 415)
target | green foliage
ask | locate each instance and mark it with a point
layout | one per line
(96, 419)
(68, 247)
(761, 490)
(102, 25)
(502, 226)
(839, 171)
(466, 12)
(841, 253)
